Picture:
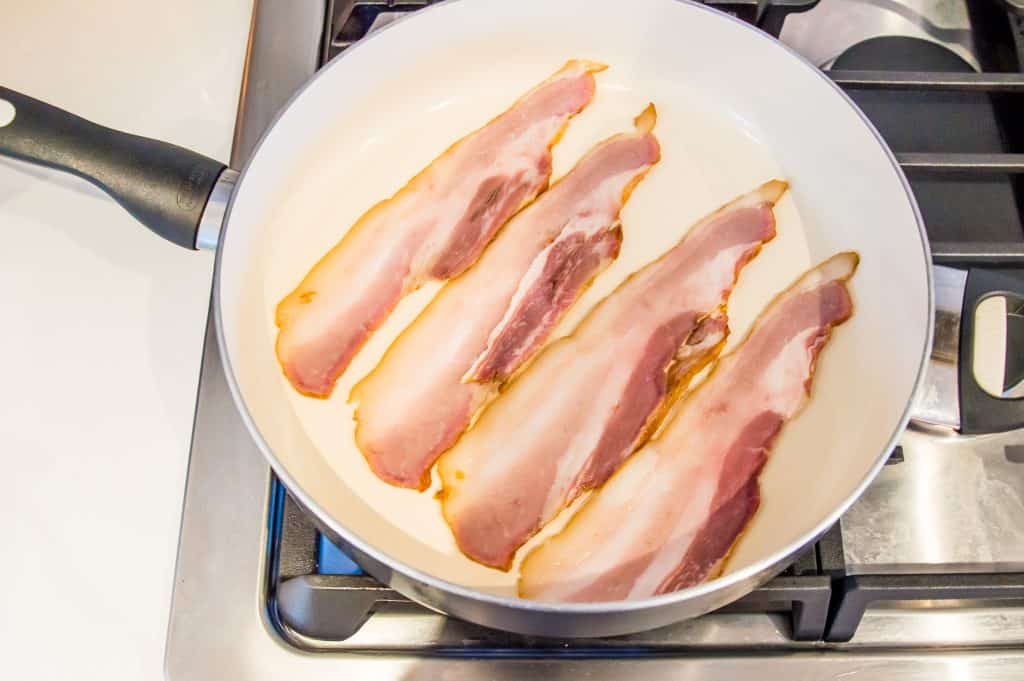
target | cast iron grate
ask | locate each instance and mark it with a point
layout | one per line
(350, 20)
(317, 594)
(316, 597)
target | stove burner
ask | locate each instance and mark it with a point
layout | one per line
(350, 20)
(928, 563)
(321, 596)
(329, 598)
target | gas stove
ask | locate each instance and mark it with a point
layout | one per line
(922, 578)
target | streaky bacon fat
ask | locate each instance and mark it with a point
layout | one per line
(487, 323)
(669, 517)
(435, 227)
(590, 399)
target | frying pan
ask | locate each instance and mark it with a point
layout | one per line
(736, 108)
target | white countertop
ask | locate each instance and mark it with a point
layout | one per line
(102, 336)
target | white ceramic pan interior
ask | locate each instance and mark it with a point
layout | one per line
(734, 109)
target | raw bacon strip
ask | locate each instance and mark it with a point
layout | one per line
(433, 228)
(668, 519)
(590, 399)
(417, 401)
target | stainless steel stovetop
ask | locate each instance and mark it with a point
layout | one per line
(922, 579)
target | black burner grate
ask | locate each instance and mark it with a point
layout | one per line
(310, 607)
(814, 600)
(350, 20)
